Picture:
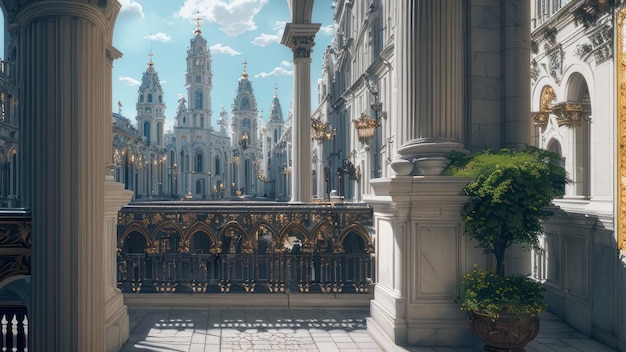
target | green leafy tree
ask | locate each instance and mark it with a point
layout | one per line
(508, 197)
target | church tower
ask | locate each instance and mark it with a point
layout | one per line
(244, 114)
(150, 107)
(199, 82)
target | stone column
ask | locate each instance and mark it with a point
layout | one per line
(421, 252)
(300, 39)
(65, 106)
(430, 80)
(516, 74)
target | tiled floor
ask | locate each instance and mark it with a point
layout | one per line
(324, 330)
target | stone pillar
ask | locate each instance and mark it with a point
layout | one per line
(516, 74)
(300, 39)
(430, 80)
(116, 315)
(421, 251)
(65, 106)
(421, 256)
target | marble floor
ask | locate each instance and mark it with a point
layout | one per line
(276, 329)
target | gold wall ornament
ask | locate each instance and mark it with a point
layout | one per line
(571, 113)
(542, 116)
(322, 130)
(621, 130)
(365, 127)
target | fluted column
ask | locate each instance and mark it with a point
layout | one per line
(430, 84)
(65, 106)
(300, 39)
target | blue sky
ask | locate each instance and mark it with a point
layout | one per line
(235, 30)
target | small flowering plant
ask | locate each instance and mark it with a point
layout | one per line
(486, 292)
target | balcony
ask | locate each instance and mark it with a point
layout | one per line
(249, 248)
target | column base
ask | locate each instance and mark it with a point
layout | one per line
(117, 322)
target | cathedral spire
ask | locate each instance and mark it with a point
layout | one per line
(275, 90)
(150, 63)
(197, 31)
(245, 66)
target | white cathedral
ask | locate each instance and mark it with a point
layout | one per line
(242, 159)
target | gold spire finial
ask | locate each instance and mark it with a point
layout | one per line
(197, 31)
(245, 66)
(150, 63)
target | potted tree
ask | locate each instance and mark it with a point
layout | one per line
(507, 205)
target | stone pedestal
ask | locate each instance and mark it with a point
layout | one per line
(115, 196)
(421, 257)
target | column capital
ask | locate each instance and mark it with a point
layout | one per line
(300, 38)
(23, 11)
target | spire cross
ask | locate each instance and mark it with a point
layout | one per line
(245, 66)
(150, 62)
(197, 31)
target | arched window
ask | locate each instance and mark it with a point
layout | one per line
(160, 133)
(218, 170)
(200, 187)
(198, 99)
(245, 103)
(160, 99)
(201, 120)
(146, 130)
(149, 97)
(141, 98)
(199, 157)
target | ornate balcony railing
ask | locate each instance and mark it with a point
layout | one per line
(15, 242)
(203, 247)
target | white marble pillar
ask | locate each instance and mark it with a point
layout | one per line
(63, 75)
(430, 61)
(300, 39)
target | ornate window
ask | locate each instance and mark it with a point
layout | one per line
(146, 131)
(150, 98)
(199, 158)
(198, 99)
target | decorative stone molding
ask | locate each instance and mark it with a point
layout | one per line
(555, 64)
(621, 130)
(302, 46)
(602, 41)
(571, 113)
(534, 70)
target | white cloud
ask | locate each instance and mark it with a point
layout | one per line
(219, 49)
(129, 80)
(159, 37)
(132, 8)
(266, 39)
(277, 71)
(233, 17)
(286, 63)
(162, 81)
(328, 30)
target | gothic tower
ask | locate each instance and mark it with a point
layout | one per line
(150, 107)
(199, 82)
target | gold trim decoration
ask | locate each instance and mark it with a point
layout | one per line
(621, 130)
(571, 113)
(542, 116)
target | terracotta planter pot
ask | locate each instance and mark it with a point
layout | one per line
(506, 333)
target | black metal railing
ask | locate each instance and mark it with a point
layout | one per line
(240, 272)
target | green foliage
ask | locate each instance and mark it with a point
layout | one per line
(489, 293)
(508, 196)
